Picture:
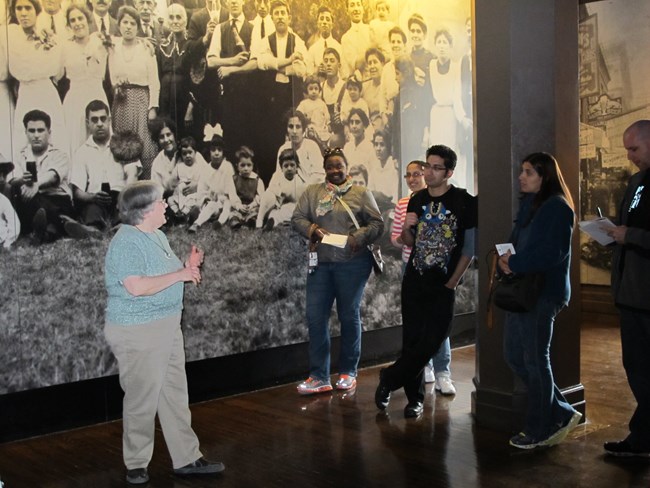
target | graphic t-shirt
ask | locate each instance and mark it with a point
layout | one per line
(440, 231)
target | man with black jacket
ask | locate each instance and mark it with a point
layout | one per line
(630, 284)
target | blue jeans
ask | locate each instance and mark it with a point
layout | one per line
(441, 359)
(527, 342)
(343, 282)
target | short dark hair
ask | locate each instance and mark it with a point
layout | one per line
(373, 51)
(217, 142)
(386, 136)
(277, 4)
(137, 199)
(95, 106)
(186, 142)
(288, 155)
(158, 124)
(331, 50)
(310, 80)
(324, 8)
(37, 116)
(362, 115)
(398, 31)
(289, 114)
(244, 152)
(447, 154)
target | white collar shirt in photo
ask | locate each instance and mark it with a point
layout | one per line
(52, 159)
(93, 164)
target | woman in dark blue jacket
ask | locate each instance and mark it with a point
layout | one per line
(542, 240)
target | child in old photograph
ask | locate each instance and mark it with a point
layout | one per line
(217, 190)
(315, 110)
(279, 200)
(189, 170)
(249, 188)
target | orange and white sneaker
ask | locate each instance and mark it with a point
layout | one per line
(346, 382)
(311, 386)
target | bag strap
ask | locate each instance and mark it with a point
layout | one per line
(491, 283)
(349, 211)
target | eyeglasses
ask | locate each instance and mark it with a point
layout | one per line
(434, 167)
(94, 119)
(415, 174)
(333, 151)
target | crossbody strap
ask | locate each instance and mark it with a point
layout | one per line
(349, 211)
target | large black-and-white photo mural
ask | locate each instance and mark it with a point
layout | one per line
(229, 105)
(614, 93)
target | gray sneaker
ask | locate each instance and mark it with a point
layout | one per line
(137, 476)
(201, 466)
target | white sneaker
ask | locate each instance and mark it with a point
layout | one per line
(428, 374)
(445, 386)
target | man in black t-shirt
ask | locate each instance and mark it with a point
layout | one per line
(440, 226)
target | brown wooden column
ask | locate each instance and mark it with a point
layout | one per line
(526, 100)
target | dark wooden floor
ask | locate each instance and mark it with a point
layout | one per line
(274, 438)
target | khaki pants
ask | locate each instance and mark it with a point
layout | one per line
(151, 362)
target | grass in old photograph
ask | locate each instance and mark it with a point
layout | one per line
(251, 297)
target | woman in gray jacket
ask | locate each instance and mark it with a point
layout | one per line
(339, 273)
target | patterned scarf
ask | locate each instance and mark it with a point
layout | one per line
(333, 192)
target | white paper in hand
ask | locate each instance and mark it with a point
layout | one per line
(504, 248)
(336, 240)
(597, 229)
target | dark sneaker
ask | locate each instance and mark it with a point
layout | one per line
(624, 449)
(524, 441)
(201, 466)
(382, 393)
(138, 476)
(413, 410)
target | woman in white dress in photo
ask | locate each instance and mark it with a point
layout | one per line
(35, 61)
(84, 60)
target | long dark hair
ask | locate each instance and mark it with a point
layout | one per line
(546, 166)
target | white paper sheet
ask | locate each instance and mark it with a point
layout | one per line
(597, 229)
(336, 240)
(504, 248)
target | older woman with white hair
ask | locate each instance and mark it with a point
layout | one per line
(144, 280)
(174, 66)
